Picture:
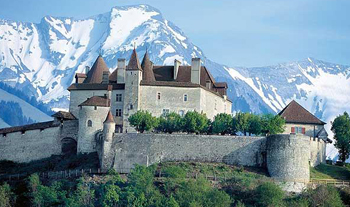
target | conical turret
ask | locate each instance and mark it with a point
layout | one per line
(147, 66)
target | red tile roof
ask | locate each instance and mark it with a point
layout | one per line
(295, 113)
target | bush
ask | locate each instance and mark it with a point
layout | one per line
(324, 196)
(175, 172)
(6, 196)
(141, 190)
(143, 121)
(269, 194)
(200, 193)
(195, 122)
(222, 124)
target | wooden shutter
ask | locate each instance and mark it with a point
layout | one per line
(293, 129)
(303, 130)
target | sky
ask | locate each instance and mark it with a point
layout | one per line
(231, 32)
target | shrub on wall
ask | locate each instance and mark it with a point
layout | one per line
(143, 121)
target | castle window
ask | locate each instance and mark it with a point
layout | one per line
(89, 123)
(185, 97)
(298, 130)
(95, 108)
(158, 96)
(119, 98)
(165, 112)
(182, 113)
(118, 112)
(131, 106)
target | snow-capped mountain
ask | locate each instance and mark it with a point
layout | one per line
(41, 59)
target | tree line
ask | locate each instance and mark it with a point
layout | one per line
(195, 122)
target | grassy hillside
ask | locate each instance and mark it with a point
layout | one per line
(171, 184)
(325, 171)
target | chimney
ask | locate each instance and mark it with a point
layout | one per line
(121, 71)
(105, 77)
(87, 69)
(176, 68)
(196, 70)
(80, 77)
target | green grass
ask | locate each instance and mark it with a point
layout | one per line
(325, 171)
(217, 169)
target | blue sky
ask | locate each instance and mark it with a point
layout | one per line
(231, 32)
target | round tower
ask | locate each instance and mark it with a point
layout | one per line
(92, 114)
(288, 157)
(108, 127)
(107, 151)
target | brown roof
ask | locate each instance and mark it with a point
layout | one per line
(295, 113)
(96, 86)
(96, 72)
(134, 62)
(97, 101)
(114, 75)
(147, 67)
(109, 118)
(64, 115)
(41, 125)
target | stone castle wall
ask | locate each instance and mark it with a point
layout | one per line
(147, 149)
(36, 144)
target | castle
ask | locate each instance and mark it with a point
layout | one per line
(101, 103)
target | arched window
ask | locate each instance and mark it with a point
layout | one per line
(185, 97)
(89, 123)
